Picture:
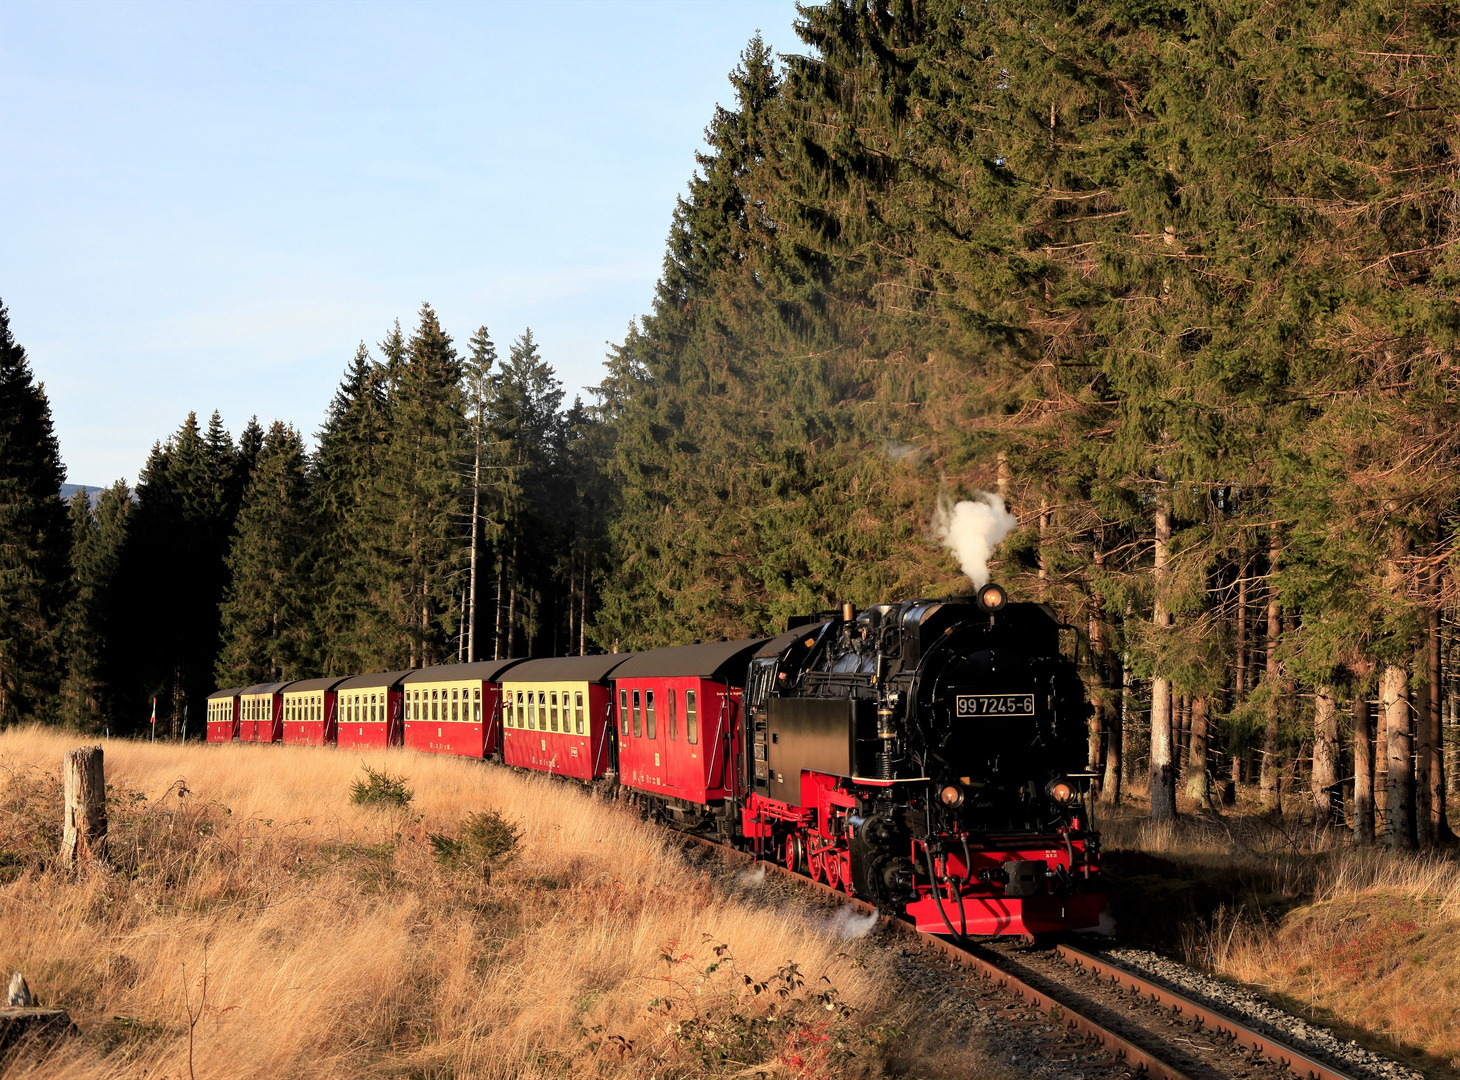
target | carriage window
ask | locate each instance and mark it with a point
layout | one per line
(691, 719)
(623, 711)
(649, 713)
(518, 721)
(555, 710)
(673, 717)
(578, 713)
(455, 704)
(638, 717)
(532, 710)
(476, 705)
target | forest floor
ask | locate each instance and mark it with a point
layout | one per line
(254, 920)
(1360, 939)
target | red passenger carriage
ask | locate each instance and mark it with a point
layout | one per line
(223, 715)
(261, 713)
(455, 708)
(369, 710)
(679, 729)
(557, 715)
(309, 711)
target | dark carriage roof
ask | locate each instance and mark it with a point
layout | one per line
(567, 668)
(329, 682)
(710, 660)
(377, 678)
(486, 670)
(264, 688)
(233, 693)
(777, 645)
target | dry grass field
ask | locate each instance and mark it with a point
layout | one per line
(1361, 937)
(254, 921)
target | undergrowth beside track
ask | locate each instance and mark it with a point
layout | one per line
(492, 924)
(1361, 939)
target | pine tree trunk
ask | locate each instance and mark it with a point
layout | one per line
(1163, 762)
(1239, 689)
(1198, 781)
(1327, 798)
(1440, 830)
(512, 596)
(1115, 744)
(1098, 678)
(1043, 557)
(1423, 753)
(1398, 754)
(476, 514)
(583, 615)
(498, 652)
(1363, 771)
(1272, 795)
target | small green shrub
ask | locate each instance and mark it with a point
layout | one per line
(380, 788)
(487, 840)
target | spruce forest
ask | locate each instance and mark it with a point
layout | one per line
(1178, 282)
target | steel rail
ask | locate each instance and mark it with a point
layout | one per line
(1058, 1012)
(1285, 1055)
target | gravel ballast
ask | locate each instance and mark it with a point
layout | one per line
(1263, 1016)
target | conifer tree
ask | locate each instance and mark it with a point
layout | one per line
(94, 621)
(266, 630)
(34, 539)
(415, 511)
(345, 469)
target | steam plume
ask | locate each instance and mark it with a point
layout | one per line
(971, 529)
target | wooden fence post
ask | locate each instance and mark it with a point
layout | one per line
(83, 836)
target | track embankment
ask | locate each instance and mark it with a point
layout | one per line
(1103, 1012)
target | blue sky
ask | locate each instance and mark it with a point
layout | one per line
(209, 206)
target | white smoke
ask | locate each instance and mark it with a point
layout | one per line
(849, 925)
(751, 877)
(971, 529)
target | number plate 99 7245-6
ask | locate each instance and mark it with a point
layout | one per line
(995, 704)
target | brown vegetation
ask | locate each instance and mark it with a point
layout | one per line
(1363, 938)
(256, 921)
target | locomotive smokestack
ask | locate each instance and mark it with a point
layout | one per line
(848, 612)
(972, 529)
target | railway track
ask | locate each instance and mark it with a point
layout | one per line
(1079, 999)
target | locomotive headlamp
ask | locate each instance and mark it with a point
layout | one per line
(992, 598)
(1061, 791)
(951, 796)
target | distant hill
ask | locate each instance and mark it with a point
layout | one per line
(93, 491)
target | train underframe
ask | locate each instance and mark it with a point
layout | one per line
(953, 882)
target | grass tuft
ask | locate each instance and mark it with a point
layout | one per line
(486, 840)
(380, 788)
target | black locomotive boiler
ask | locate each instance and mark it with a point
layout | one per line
(928, 756)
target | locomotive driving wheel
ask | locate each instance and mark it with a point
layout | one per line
(831, 867)
(795, 853)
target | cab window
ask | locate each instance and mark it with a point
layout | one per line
(691, 718)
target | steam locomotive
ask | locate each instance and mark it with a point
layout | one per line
(926, 755)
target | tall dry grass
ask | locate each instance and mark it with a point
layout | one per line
(332, 942)
(1375, 947)
(1364, 937)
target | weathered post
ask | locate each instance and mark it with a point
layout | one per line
(83, 836)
